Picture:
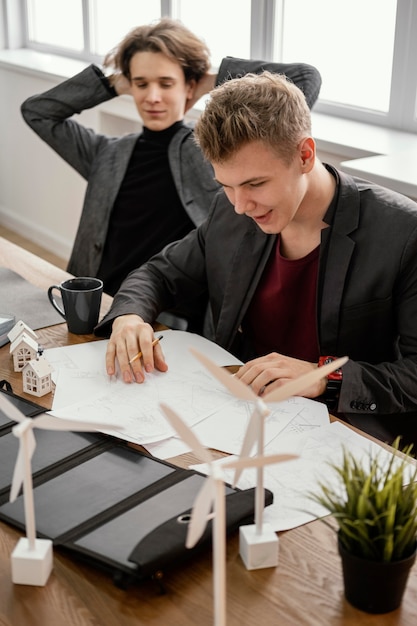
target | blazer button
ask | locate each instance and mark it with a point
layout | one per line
(98, 246)
(372, 406)
(353, 405)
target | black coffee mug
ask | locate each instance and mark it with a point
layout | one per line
(81, 299)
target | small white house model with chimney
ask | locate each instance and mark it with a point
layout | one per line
(23, 349)
(37, 377)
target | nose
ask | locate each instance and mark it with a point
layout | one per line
(153, 93)
(242, 202)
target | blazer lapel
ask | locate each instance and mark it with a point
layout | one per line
(335, 256)
(115, 167)
(252, 253)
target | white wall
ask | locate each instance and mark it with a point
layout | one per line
(40, 195)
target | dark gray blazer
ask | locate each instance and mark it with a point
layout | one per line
(367, 288)
(103, 160)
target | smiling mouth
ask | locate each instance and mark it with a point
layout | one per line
(261, 218)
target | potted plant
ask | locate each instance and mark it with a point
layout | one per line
(375, 507)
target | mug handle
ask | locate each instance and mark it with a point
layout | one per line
(53, 301)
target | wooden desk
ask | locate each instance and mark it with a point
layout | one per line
(305, 589)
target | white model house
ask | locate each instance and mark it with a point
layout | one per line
(19, 328)
(37, 377)
(23, 349)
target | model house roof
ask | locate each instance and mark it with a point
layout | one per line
(20, 328)
(25, 339)
(40, 366)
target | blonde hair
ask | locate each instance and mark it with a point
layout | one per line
(168, 36)
(266, 107)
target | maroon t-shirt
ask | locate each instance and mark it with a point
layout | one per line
(282, 315)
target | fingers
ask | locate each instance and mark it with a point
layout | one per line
(130, 349)
(120, 83)
(159, 359)
(258, 376)
(260, 372)
(202, 87)
(110, 359)
(150, 355)
(274, 370)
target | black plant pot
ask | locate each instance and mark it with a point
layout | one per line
(374, 586)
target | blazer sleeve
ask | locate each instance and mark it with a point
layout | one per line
(305, 76)
(158, 285)
(50, 115)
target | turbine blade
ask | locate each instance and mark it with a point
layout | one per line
(234, 385)
(19, 468)
(18, 473)
(10, 410)
(259, 461)
(186, 434)
(49, 422)
(298, 385)
(201, 510)
(249, 440)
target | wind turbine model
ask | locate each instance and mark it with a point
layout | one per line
(258, 542)
(32, 557)
(211, 497)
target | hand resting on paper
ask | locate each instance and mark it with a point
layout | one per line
(130, 335)
(274, 370)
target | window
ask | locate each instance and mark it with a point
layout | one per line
(364, 49)
(93, 27)
(108, 26)
(221, 23)
(354, 57)
(45, 23)
(84, 29)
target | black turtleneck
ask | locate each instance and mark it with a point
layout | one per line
(147, 213)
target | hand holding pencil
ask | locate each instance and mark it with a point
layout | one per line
(139, 354)
(133, 350)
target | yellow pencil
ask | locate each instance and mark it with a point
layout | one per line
(139, 354)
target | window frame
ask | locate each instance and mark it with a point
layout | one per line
(402, 114)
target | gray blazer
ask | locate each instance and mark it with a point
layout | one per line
(367, 288)
(103, 160)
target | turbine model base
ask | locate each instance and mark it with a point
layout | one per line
(32, 566)
(258, 550)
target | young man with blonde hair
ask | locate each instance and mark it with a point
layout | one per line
(301, 263)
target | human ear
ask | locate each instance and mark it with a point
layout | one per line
(191, 85)
(307, 151)
(191, 96)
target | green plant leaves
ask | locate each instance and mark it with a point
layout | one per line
(375, 512)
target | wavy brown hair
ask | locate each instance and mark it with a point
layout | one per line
(266, 107)
(171, 38)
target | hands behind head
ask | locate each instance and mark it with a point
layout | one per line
(274, 370)
(131, 335)
(120, 83)
(204, 86)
